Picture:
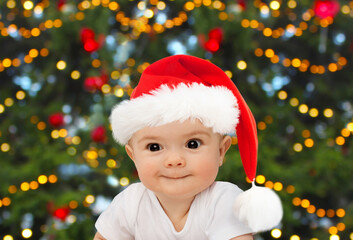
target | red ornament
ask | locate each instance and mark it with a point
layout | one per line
(62, 213)
(86, 34)
(216, 34)
(215, 38)
(56, 120)
(88, 40)
(92, 84)
(99, 134)
(326, 8)
(212, 45)
(100, 81)
(91, 45)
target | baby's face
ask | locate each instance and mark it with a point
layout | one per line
(179, 159)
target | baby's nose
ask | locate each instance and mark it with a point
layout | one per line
(175, 160)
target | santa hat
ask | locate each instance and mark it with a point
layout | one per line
(182, 87)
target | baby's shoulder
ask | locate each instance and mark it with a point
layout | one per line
(129, 197)
(135, 190)
(126, 204)
(219, 193)
(219, 188)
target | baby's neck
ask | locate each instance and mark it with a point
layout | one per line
(177, 210)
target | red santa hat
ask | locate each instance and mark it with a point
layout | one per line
(182, 87)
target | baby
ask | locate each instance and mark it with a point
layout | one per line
(173, 129)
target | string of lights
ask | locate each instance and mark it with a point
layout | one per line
(13, 29)
(313, 112)
(302, 65)
(26, 186)
(28, 58)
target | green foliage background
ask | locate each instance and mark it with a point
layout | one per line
(321, 174)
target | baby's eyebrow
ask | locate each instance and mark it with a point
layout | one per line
(197, 132)
(148, 138)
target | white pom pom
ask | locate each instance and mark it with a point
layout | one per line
(259, 207)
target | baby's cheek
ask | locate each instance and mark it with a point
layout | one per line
(145, 169)
(208, 170)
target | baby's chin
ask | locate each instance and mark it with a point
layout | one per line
(181, 188)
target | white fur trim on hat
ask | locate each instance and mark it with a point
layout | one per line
(215, 106)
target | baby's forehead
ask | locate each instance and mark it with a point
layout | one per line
(185, 128)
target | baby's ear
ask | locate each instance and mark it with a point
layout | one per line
(129, 151)
(224, 145)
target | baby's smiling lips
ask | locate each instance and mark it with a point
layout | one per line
(175, 177)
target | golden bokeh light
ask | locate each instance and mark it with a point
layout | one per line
(61, 65)
(294, 237)
(290, 189)
(73, 204)
(303, 108)
(269, 53)
(340, 213)
(5, 147)
(313, 112)
(276, 233)
(6, 201)
(260, 179)
(75, 74)
(27, 233)
(311, 209)
(309, 143)
(90, 199)
(282, 95)
(2, 108)
(12, 189)
(277, 186)
(28, 5)
(189, 6)
(328, 112)
(24, 186)
(298, 147)
(52, 178)
(42, 179)
(242, 65)
(8, 237)
(124, 181)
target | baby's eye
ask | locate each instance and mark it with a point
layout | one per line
(153, 147)
(193, 144)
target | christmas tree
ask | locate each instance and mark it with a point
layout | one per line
(65, 64)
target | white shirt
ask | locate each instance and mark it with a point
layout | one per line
(136, 214)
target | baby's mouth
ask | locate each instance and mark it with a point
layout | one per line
(175, 176)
